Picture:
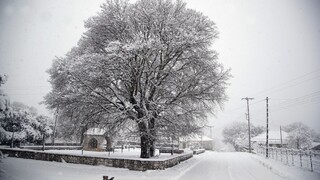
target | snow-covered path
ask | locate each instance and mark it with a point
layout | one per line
(210, 165)
(229, 166)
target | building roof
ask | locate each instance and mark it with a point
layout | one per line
(274, 137)
(315, 145)
(196, 137)
(95, 131)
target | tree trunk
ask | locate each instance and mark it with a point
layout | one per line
(83, 130)
(152, 137)
(152, 148)
(109, 143)
(145, 140)
(145, 147)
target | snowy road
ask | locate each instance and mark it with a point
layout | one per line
(210, 165)
(229, 166)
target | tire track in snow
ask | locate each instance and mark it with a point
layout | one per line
(199, 158)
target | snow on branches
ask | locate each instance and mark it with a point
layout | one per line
(299, 135)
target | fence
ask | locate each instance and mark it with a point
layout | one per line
(305, 159)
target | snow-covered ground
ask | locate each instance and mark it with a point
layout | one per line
(118, 153)
(209, 165)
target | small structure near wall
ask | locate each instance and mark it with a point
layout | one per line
(94, 139)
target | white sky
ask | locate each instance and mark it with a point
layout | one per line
(272, 47)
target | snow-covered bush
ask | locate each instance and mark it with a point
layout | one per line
(21, 121)
(236, 134)
(299, 135)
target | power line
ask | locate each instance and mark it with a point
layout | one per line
(305, 99)
(242, 107)
(292, 80)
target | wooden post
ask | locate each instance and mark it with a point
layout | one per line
(300, 153)
(171, 145)
(281, 136)
(12, 139)
(292, 158)
(311, 162)
(267, 130)
(287, 156)
(43, 142)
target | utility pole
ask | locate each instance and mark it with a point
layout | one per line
(281, 136)
(267, 130)
(246, 98)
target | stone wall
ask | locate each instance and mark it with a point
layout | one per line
(52, 147)
(132, 164)
(176, 151)
(199, 151)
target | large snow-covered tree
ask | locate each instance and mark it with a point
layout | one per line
(149, 62)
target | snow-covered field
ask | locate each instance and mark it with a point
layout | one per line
(209, 165)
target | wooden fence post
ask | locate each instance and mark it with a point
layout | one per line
(292, 157)
(300, 153)
(311, 162)
(287, 156)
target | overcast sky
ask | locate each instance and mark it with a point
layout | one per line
(272, 47)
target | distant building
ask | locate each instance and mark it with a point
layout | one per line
(274, 139)
(196, 141)
(315, 146)
(94, 139)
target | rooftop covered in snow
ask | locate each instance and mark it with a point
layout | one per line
(95, 131)
(273, 136)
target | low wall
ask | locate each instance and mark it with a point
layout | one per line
(52, 147)
(132, 164)
(176, 151)
(199, 151)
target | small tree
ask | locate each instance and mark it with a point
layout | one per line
(236, 134)
(19, 122)
(43, 126)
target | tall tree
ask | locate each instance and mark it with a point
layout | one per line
(148, 62)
